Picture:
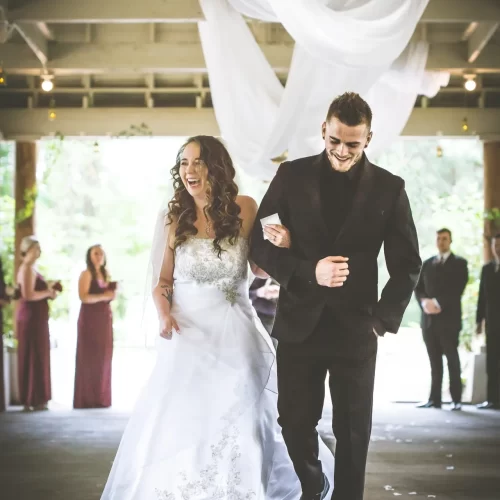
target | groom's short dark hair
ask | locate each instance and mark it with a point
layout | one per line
(351, 109)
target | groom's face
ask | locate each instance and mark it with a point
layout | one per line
(344, 144)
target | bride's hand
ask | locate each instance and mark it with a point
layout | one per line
(278, 235)
(167, 325)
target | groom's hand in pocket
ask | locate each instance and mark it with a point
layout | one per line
(332, 271)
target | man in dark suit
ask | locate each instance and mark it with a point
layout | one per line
(264, 296)
(337, 210)
(439, 294)
(488, 310)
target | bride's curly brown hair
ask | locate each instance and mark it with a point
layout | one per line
(221, 208)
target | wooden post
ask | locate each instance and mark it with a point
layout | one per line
(491, 151)
(25, 193)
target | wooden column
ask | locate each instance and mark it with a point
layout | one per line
(25, 192)
(491, 192)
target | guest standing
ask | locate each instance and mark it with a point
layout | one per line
(94, 351)
(264, 296)
(33, 336)
(488, 310)
(4, 300)
(439, 293)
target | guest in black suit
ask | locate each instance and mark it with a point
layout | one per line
(488, 310)
(264, 296)
(337, 210)
(439, 293)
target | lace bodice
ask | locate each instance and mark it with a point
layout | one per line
(196, 262)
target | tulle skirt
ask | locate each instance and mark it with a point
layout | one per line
(205, 426)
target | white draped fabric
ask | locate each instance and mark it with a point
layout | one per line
(356, 45)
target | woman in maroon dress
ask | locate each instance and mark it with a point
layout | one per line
(4, 300)
(32, 322)
(94, 350)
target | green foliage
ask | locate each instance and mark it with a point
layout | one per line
(136, 130)
(7, 209)
(30, 196)
(493, 216)
(447, 192)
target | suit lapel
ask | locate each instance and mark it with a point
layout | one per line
(357, 214)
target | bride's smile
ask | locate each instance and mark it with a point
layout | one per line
(193, 171)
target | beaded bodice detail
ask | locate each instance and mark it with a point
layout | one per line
(196, 262)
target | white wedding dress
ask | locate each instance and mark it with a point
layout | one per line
(205, 426)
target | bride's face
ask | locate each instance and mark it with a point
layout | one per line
(193, 171)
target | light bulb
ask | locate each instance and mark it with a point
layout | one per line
(47, 85)
(470, 84)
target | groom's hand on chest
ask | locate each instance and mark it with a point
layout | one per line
(332, 271)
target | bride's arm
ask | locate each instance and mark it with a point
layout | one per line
(163, 291)
(248, 213)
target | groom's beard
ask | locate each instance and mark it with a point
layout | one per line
(343, 166)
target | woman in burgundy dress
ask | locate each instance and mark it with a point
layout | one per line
(4, 300)
(94, 350)
(32, 322)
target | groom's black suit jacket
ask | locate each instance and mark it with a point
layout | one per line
(379, 214)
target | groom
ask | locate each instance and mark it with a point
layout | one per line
(337, 210)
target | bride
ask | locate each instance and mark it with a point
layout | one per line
(205, 426)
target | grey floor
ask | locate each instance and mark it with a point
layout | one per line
(66, 455)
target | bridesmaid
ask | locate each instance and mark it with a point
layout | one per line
(4, 300)
(32, 322)
(94, 350)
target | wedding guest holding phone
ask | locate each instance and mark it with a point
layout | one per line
(94, 352)
(32, 321)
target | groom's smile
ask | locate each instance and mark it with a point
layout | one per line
(344, 144)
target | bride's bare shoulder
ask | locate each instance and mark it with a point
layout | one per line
(247, 203)
(248, 212)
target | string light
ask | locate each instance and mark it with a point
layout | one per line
(47, 84)
(52, 110)
(470, 82)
